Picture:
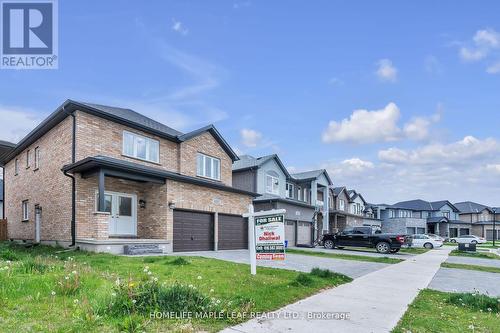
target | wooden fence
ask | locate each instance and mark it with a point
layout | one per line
(3, 230)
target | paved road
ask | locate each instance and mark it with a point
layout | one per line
(365, 299)
(296, 262)
(474, 261)
(461, 280)
(355, 252)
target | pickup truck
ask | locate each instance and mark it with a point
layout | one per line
(365, 237)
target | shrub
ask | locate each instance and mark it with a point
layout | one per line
(323, 273)
(131, 324)
(302, 279)
(8, 254)
(475, 301)
(179, 262)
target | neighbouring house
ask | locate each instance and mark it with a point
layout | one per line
(304, 196)
(5, 149)
(110, 179)
(348, 208)
(481, 218)
(420, 216)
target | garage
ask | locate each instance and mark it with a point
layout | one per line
(290, 232)
(233, 232)
(193, 231)
(304, 233)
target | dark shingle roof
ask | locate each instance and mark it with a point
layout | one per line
(247, 161)
(419, 204)
(135, 117)
(311, 175)
(338, 190)
(468, 207)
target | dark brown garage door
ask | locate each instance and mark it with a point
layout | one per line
(233, 232)
(193, 231)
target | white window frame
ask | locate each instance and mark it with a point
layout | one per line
(28, 158)
(289, 190)
(16, 167)
(299, 193)
(148, 142)
(26, 210)
(37, 158)
(214, 166)
(275, 185)
(341, 204)
(305, 195)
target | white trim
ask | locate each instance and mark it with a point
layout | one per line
(114, 204)
(148, 142)
(26, 210)
(275, 182)
(213, 167)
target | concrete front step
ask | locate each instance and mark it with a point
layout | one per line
(141, 249)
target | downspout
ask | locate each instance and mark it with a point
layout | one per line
(3, 192)
(73, 182)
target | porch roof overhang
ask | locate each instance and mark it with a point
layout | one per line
(113, 167)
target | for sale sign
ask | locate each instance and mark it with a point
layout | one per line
(270, 237)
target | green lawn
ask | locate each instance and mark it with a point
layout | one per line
(435, 311)
(482, 255)
(471, 267)
(489, 245)
(333, 255)
(43, 289)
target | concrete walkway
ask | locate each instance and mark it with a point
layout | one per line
(356, 252)
(374, 302)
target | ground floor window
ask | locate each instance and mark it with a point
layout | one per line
(420, 230)
(464, 231)
(453, 232)
(410, 230)
(26, 215)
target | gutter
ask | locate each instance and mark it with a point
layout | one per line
(73, 181)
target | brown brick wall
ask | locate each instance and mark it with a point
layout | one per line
(206, 144)
(47, 187)
(98, 136)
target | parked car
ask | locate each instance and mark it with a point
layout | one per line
(365, 237)
(436, 237)
(426, 241)
(468, 239)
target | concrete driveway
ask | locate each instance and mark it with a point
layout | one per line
(296, 262)
(462, 280)
(474, 261)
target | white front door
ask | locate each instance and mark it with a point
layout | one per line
(123, 213)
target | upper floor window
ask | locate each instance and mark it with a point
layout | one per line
(299, 193)
(28, 158)
(305, 197)
(26, 214)
(341, 204)
(141, 147)
(392, 213)
(272, 183)
(207, 166)
(37, 157)
(446, 214)
(16, 167)
(289, 190)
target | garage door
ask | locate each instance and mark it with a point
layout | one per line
(193, 231)
(233, 232)
(489, 234)
(290, 232)
(304, 230)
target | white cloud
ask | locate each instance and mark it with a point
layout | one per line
(250, 138)
(469, 149)
(493, 167)
(17, 122)
(179, 27)
(487, 38)
(365, 126)
(494, 69)
(432, 65)
(357, 164)
(468, 54)
(386, 71)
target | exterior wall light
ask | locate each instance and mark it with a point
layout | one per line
(171, 205)
(142, 203)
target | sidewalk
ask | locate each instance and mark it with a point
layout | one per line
(375, 302)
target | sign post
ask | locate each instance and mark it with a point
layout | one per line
(266, 235)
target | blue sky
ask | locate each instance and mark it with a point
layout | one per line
(287, 76)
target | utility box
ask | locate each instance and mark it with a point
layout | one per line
(467, 247)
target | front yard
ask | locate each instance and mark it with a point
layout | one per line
(435, 311)
(47, 289)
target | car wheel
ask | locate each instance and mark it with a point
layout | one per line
(428, 246)
(328, 244)
(383, 247)
(394, 250)
(453, 240)
(473, 242)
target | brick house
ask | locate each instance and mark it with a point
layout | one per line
(101, 178)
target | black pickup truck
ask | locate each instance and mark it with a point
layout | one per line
(365, 237)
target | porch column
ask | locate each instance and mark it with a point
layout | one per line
(314, 198)
(437, 229)
(101, 203)
(326, 210)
